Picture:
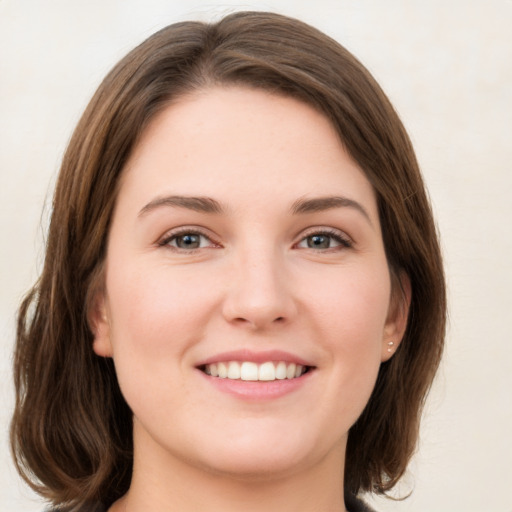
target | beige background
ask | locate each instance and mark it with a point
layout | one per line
(447, 66)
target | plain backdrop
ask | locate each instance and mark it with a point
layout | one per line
(447, 67)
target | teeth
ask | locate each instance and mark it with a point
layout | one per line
(233, 370)
(267, 371)
(281, 371)
(223, 370)
(248, 370)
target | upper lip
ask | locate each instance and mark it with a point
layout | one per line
(255, 357)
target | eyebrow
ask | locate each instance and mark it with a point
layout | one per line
(210, 205)
(198, 204)
(319, 204)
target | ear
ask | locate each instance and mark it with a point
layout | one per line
(100, 326)
(396, 322)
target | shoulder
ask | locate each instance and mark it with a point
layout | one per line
(354, 504)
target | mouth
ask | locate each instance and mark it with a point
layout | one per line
(252, 371)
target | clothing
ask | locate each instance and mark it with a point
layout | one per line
(352, 503)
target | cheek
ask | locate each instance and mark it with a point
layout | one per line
(345, 313)
(157, 314)
(153, 307)
(352, 315)
(353, 304)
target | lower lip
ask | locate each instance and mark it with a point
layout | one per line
(258, 390)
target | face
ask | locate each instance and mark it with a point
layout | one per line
(247, 299)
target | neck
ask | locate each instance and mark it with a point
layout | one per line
(170, 484)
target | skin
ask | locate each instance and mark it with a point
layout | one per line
(256, 282)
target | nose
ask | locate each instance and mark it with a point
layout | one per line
(259, 292)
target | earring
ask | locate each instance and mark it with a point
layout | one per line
(390, 344)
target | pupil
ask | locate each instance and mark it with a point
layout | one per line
(318, 241)
(188, 241)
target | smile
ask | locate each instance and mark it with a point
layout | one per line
(251, 371)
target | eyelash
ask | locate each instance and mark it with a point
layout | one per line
(343, 240)
(172, 236)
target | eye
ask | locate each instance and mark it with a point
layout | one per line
(187, 240)
(325, 240)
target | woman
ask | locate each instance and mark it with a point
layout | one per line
(243, 290)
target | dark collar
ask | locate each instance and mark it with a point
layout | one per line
(354, 504)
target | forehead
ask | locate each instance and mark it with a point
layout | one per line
(237, 141)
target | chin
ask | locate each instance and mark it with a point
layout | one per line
(256, 457)
(252, 467)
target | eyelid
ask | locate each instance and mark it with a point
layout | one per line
(165, 240)
(339, 235)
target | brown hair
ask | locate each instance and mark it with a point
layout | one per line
(71, 431)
